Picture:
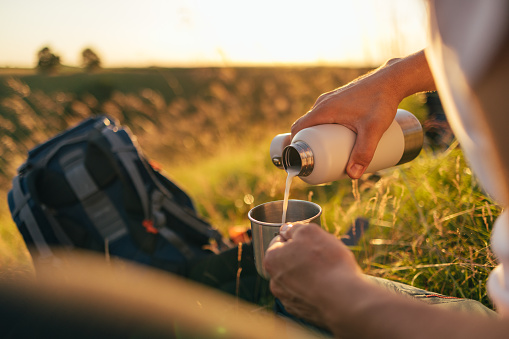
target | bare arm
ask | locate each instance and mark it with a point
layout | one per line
(368, 105)
(316, 277)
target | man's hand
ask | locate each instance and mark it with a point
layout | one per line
(368, 105)
(304, 262)
(361, 106)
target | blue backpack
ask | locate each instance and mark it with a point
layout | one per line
(91, 188)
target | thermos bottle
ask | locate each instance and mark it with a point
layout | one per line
(320, 153)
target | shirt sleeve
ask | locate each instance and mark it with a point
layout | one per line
(464, 41)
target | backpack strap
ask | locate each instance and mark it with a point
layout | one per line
(43, 162)
(97, 205)
(23, 210)
(57, 229)
(128, 153)
(110, 226)
(191, 220)
(177, 241)
(158, 225)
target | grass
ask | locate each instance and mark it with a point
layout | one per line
(211, 128)
(14, 257)
(432, 226)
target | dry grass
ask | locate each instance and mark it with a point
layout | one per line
(211, 128)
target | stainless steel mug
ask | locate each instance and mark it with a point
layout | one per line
(266, 221)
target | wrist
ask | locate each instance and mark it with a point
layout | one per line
(360, 314)
(407, 76)
(344, 304)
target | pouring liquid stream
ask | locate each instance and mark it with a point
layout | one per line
(291, 174)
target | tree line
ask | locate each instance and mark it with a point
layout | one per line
(48, 62)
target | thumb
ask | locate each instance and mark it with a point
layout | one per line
(362, 153)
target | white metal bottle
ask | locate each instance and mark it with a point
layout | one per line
(321, 152)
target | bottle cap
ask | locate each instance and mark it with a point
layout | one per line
(277, 145)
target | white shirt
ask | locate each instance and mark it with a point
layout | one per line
(464, 39)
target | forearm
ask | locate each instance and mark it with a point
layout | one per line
(380, 91)
(407, 76)
(380, 314)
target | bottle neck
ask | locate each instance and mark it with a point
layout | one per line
(298, 157)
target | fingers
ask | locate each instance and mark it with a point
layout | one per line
(287, 231)
(308, 120)
(364, 106)
(283, 236)
(274, 257)
(362, 153)
(369, 132)
(295, 304)
(322, 112)
(276, 241)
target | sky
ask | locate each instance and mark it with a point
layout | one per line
(167, 33)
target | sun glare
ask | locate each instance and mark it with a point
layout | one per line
(220, 32)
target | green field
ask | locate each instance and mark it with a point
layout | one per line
(210, 128)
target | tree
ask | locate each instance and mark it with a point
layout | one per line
(90, 60)
(48, 62)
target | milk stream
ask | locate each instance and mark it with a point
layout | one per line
(291, 174)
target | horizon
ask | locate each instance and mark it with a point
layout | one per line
(200, 65)
(198, 33)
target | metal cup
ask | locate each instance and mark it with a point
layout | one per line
(266, 221)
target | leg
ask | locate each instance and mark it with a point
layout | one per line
(431, 298)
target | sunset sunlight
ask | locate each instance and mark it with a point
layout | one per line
(221, 33)
(266, 169)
